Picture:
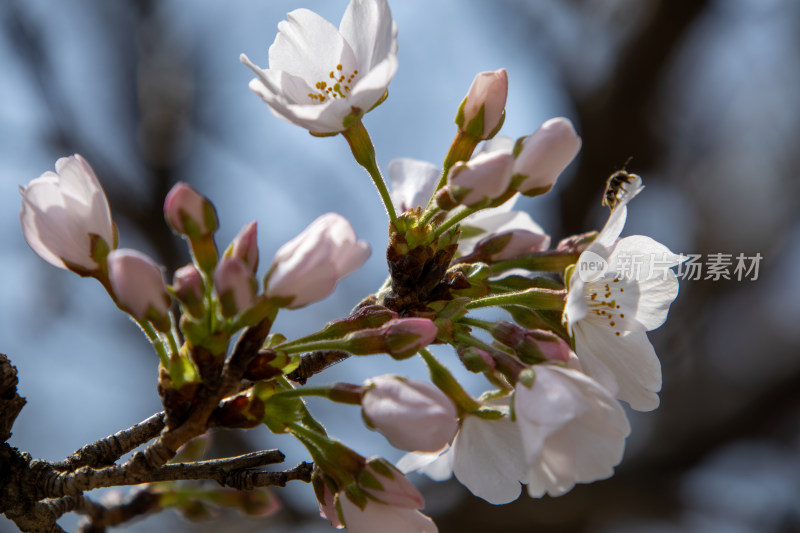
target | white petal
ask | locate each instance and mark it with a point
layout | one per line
(436, 465)
(30, 229)
(368, 26)
(610, 232)
(489, 459)
(370, 87)
(412, 182)
(575, 308)
(629, 357)
(657, 285)
(310, 47)
(320, 118)
(555, 471)
(384, 518)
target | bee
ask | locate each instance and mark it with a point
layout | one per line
(620, 184)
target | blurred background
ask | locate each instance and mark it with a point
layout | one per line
(703, 95)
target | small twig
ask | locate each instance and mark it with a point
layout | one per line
(216, 469)
(99, 516)
(250, 479)
(105, 452)
(51, 483)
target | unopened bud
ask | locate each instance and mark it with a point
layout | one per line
(475, 359)
(187, 286)
(482, 112)
(531, 346)
(484, 177)
(190, 213)
(245, 246)
(307, 268)
(542, 156)
(412, 415)
(138, 285)
(235, 286)
(401, 338)
(388, 485)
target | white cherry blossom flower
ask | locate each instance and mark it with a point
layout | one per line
(487, 457)
(323, 78)
(609, 311)
(65, 213)
(573, 430)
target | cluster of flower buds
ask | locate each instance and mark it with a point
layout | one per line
(575, 344)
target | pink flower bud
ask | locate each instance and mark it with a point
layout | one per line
(412, 415)
(65, 216)
(245, 246)
(486, 176)
(388, 485)
(307, 268)
(483, 110)
(138, 285)
(532, 346)
(189, 212)
(187, 285)
(544, 155)
(406, 336)
(475, 359)
(235, 286)
(552, 347)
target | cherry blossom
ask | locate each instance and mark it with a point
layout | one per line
(65, 216)
(609, 311)
(323, 78)
(573, 430)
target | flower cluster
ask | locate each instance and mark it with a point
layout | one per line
(572, 346)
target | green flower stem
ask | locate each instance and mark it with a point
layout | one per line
(452, 221)
(316, 337)
(155, 340)
(443, 379)
(361, 146)
(330, 456)
(172, 335)
(460, 150)
(482, 324)
(538, 262)
(429, 214)
(298, 347)
(531, 298)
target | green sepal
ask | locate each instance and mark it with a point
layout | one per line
(487, 413)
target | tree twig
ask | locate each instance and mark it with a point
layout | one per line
(105, 452)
